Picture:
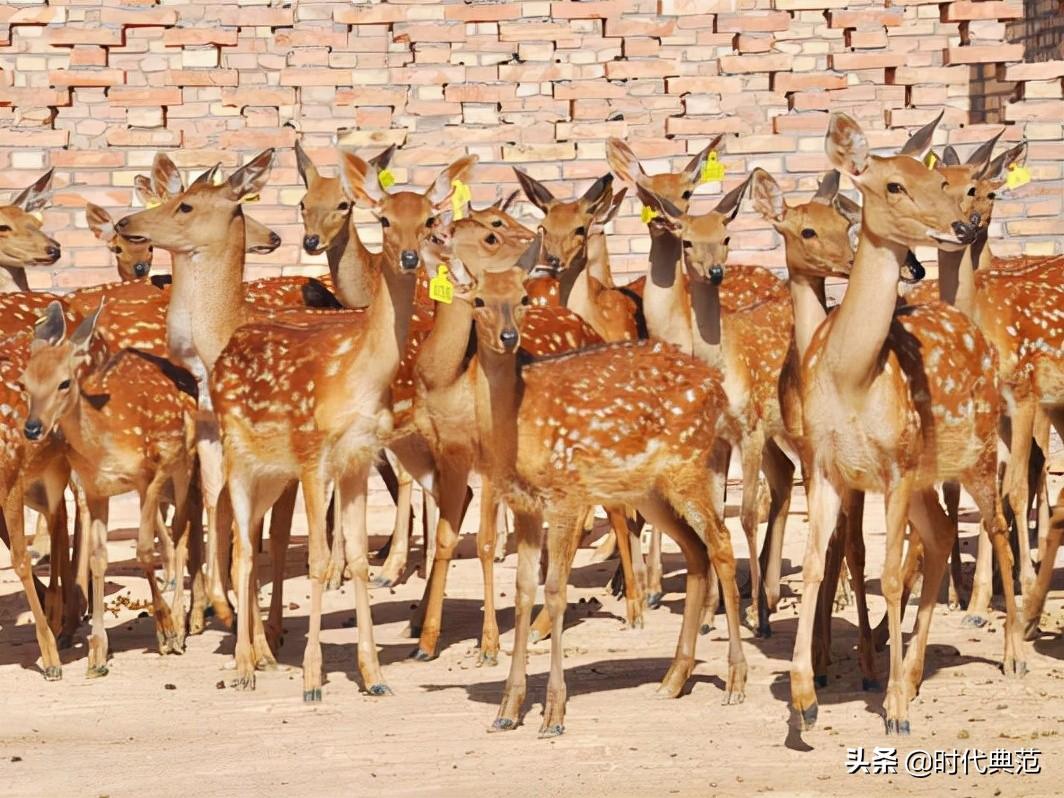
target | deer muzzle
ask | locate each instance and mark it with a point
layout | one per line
(33, 430)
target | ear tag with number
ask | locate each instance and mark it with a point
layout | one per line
(459, 198)
(386, 178)
(440, 288)
(647, 214)
(712, 169)
(930, 159)
(1018, 176)
(153, 202)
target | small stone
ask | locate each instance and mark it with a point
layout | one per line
(16, 759)
(220, 684)
(963, 734)
(169, 686)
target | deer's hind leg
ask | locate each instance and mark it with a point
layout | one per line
(280, 535)
(165, 630)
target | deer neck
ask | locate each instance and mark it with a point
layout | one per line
(388, 319)
(208, 291)
(351, 268)
(810, 308)
(76, 427)
(598, 259)
(956, 280)
(12, 279)
(501, 386)
(708, 325)
(982, 257)
(861, 323)
(443, 353)
(666, 303)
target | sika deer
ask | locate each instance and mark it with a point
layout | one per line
(895, 400)
(133, 260)
(623, 424)
(312, 403)
(127, 421)
(21, 241)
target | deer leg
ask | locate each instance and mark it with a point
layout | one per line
(314, 498)
(502, 530)
(911, 570)
(563, 535)
(395, 565)
(196, 619)
(633, 595)
(489, 636)
(1034, 602)
(718, 471)
(167, 549)
(280, 535)
(429, 521)
(655, 592)
(1017, 490)
(825, 605)
(855, 559)
(13, 520)
(529, 530)
(180, 522)
(1037, 478)
(334, 576)
(165, 631)
(260, 646)
(896, 703)
(951, 497)
(96, 518)
(453, 479)
(756, 616)
(607, 546)
(779, 471)
(41, 545)
(824, 504)
(209, 449)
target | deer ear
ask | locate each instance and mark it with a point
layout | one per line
(920, 141)
(251, 177)
(666, 215)
(143, 188)
(537, 193)
(846, 145)
(613, 209)
(381, 160)
(983, 153)
(443, 186)
(693, 170)
(950, 156)
(50, 327)
(847, 208)
(530, 257)
(767, 195)
(359, 180)
(623, 161)
(166, 179)
(308, 172)
(731, 202)
(207, 178)
(82, 336)
(998, 168)
(597, 198)
(100, 222)
(507, 201)
(828, 188)
(36, 196)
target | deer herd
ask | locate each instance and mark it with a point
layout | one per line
(471, 343)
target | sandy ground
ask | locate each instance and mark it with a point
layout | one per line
(169, 726)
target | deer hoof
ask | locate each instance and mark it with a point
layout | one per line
(974, 622)
(312, 696)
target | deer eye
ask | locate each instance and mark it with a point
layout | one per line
(687, 245)
(971, 191)
(430, 222)
(385, 222)
(478, 302)
(343, 206)
(490, 238)
(64, 385)
(496, 222)
(5, 228)
(526, 300)
(184, 207)
(809, 232)
(727, 240)
(302, 205)
(991, 195)
(895, 188)
(687, 195)
(580, 231)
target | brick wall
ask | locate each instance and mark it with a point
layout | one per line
(94, 87)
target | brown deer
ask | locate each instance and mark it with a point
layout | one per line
(22, 242)
(628, 423)
(681, 302)
(128, 424)
(895, 401)
(312, 403)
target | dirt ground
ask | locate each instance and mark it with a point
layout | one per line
(170, 726)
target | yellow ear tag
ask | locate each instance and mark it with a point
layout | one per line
(440, 288)
(1018, 176)
(37, 215)
(250, 198)
(930, 159)
(712, 169)
(154, 202)
(459, 198)
(386, 178)
(647, 214)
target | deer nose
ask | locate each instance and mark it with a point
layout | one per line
(508, 338)
(275, 240)
(964, 232)
(408, 259)
(33, 429)
(53, 252)
(975, 218)
(310, 243)
(122, 223)
(141, 269)
(716, 274)
(553, 261)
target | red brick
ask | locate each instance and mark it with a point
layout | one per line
(658, 68)
(42, 96)
(800, 123)
(131, 17)
(22, 137)
(848, 61)
(754, 43)
(866, 39)
(739, 64)
(955, 75)
(258, 139)
(88, 55)
(135, 96)
(251, 17)
(86, 77)
(254, 95)
(557, 32)
(587, 10)
(809, 5)
(370, 14)
(480, 92)
(760, 22)
(295, 76)
(430, 32)
(371, 95)
(639, 26)
(640, 47)
(535, 73)
(1043, 70)
(984, 54)
(86, 158)
(201, 77)
(705, 85)
(876, 17)
(482, 12)
(984, 9)
(9, 15)
(694, 126)
(179, 37)
(1047, 111)
(581, 89)
(69, 35)
(802, 81)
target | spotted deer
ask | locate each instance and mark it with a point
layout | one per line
(128, 424)
(312, 404)
(682, 305)
(22, 242)
(894, 401)
(628, 423)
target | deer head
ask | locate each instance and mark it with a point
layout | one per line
(976, 181)
(497, 215)
(166, 183)
(820, 236)
(566, 226)
(904, 201)
(133, 259)
(704, 238)
(500, 306)
(676, 187)
(325, 209)
(21, 241)
(56, 365)
(406, 217)
(199, 216)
